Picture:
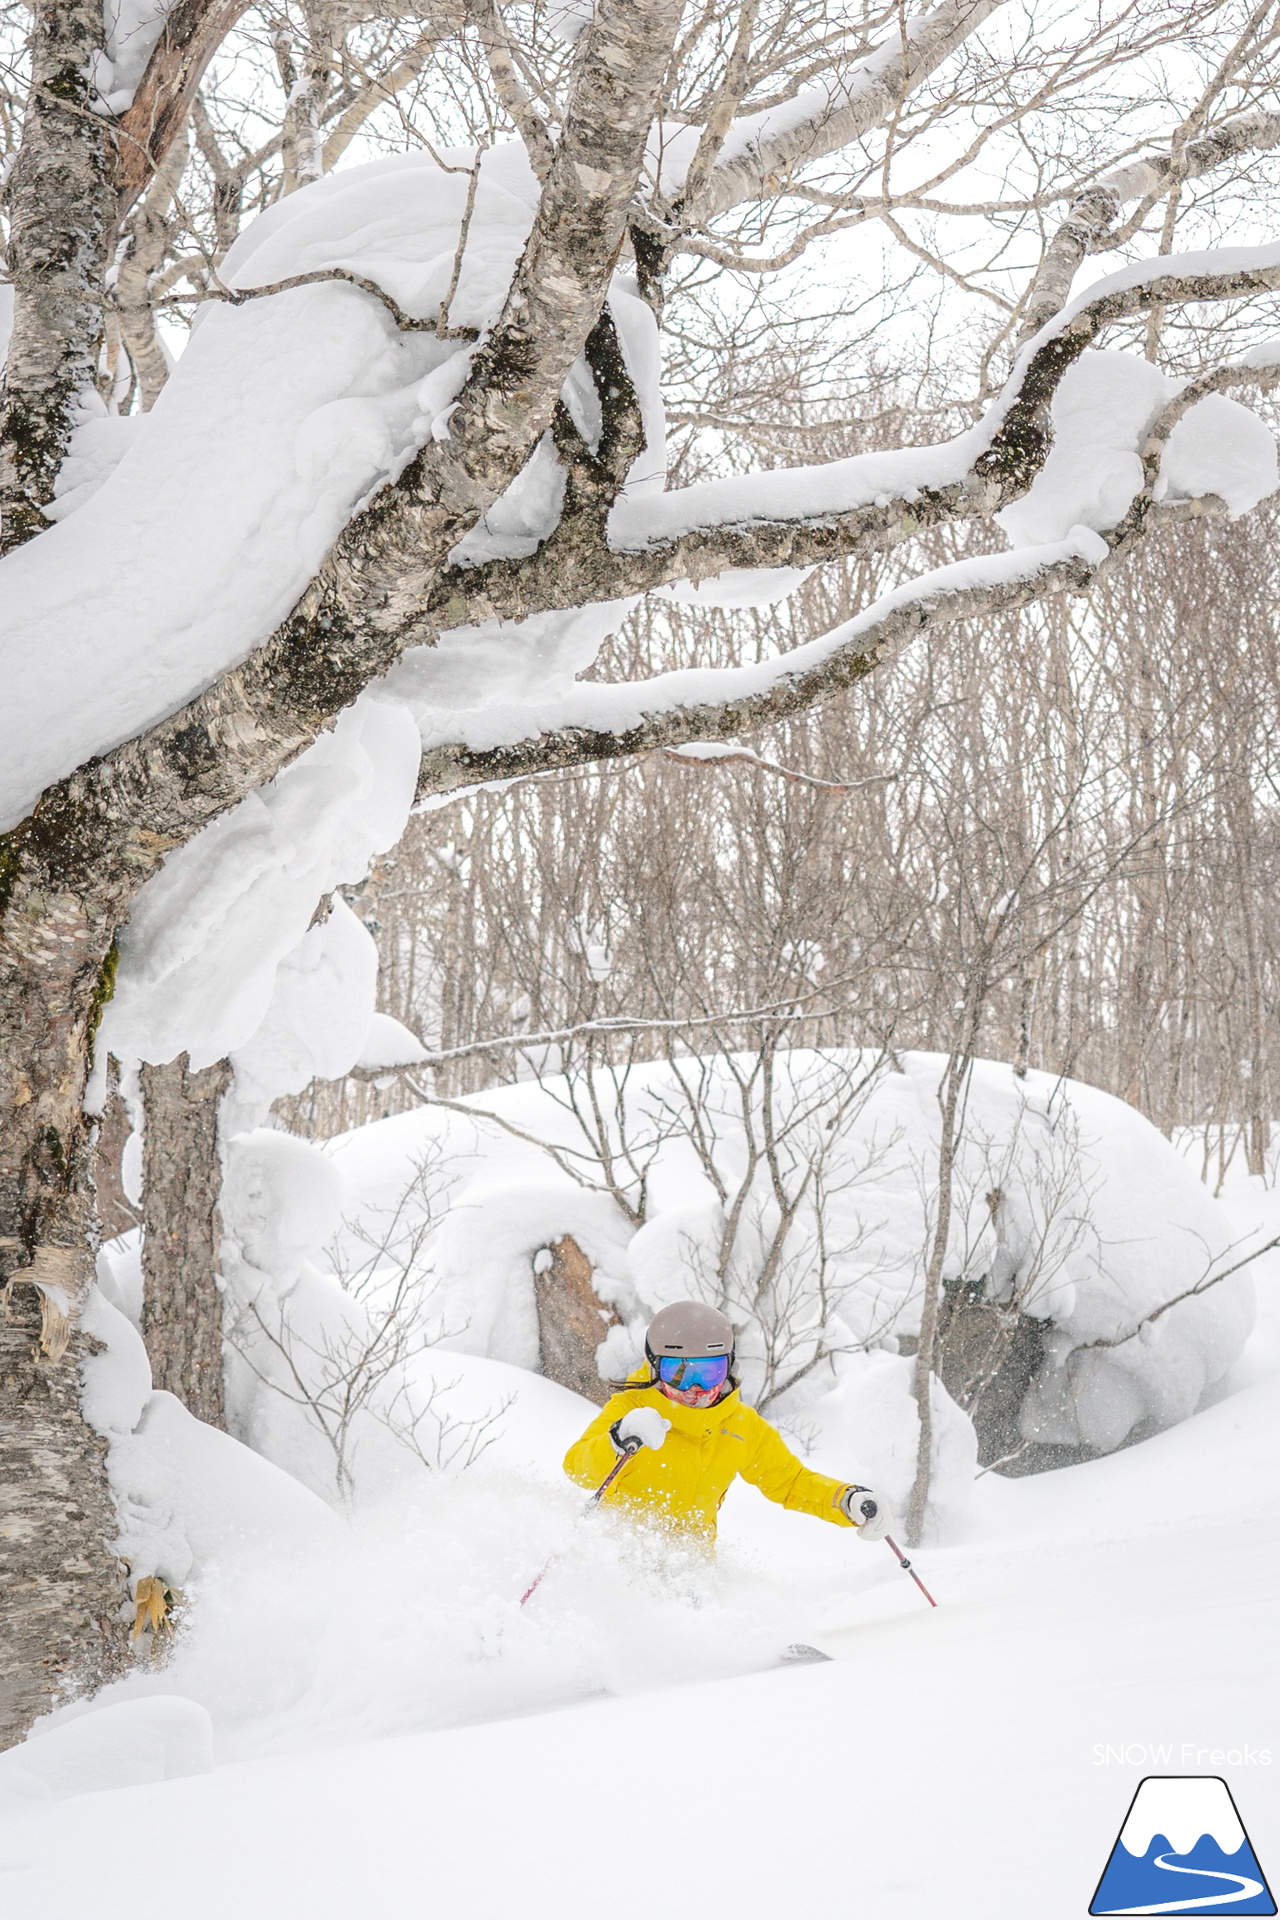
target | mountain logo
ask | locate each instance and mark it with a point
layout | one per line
(1183, 1850)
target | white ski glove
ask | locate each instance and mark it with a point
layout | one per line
(642, 1427)
(873, 1524)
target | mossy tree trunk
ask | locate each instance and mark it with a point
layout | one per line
(62, 1582)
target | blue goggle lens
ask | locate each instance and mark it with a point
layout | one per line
(675, 1371)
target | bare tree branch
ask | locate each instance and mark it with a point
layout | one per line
(1094, 212)
(1188, 1293)
(528, 122)
(785, 1010)
(709, 756)
(405, 322)
(869, 97)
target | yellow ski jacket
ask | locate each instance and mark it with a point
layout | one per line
(684, 1481)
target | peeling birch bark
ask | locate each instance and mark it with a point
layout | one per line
(193, 32)
(63, 1587)
(134, 309)
(63, 1584)
(116, 1213)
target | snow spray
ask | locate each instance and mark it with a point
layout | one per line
(632, 1447)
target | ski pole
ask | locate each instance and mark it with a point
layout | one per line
(633, 1447)
(902, 1560)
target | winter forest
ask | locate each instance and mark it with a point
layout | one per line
(640, 667)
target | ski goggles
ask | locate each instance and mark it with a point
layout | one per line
(703, 1375)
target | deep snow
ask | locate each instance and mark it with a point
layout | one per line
(368, 1720)
(975, 1761)
(380, 1297)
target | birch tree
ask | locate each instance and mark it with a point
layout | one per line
(657, 143)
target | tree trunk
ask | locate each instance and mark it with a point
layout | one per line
(572, 1321)
(922, 1386)
(134, 308)
(116, 1212)
(61, 210)
(63, 1584)
(1257, 1145)
(949, 1091)
(181, 1177)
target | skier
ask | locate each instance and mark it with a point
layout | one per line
(690, 1435)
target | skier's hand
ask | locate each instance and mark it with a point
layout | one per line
(873, 1524)
(642, 1427)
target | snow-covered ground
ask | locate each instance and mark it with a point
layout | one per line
(367, 1721)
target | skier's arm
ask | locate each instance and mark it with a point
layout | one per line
(590, 1458)
(780, 1476)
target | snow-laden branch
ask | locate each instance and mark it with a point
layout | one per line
(595, 721)
(1201, 1286)
(876, 490)
(1094, 212)
(489, 408)
(796, 517)
(763, 152)
(706, 754)
(387, 584)
(559, 288)
(1259, 369)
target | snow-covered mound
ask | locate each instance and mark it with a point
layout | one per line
(381, 1290)
(1068, 1205)
(377, 1673)
(185, 1494)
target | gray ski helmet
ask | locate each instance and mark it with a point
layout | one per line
(689, 1327)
